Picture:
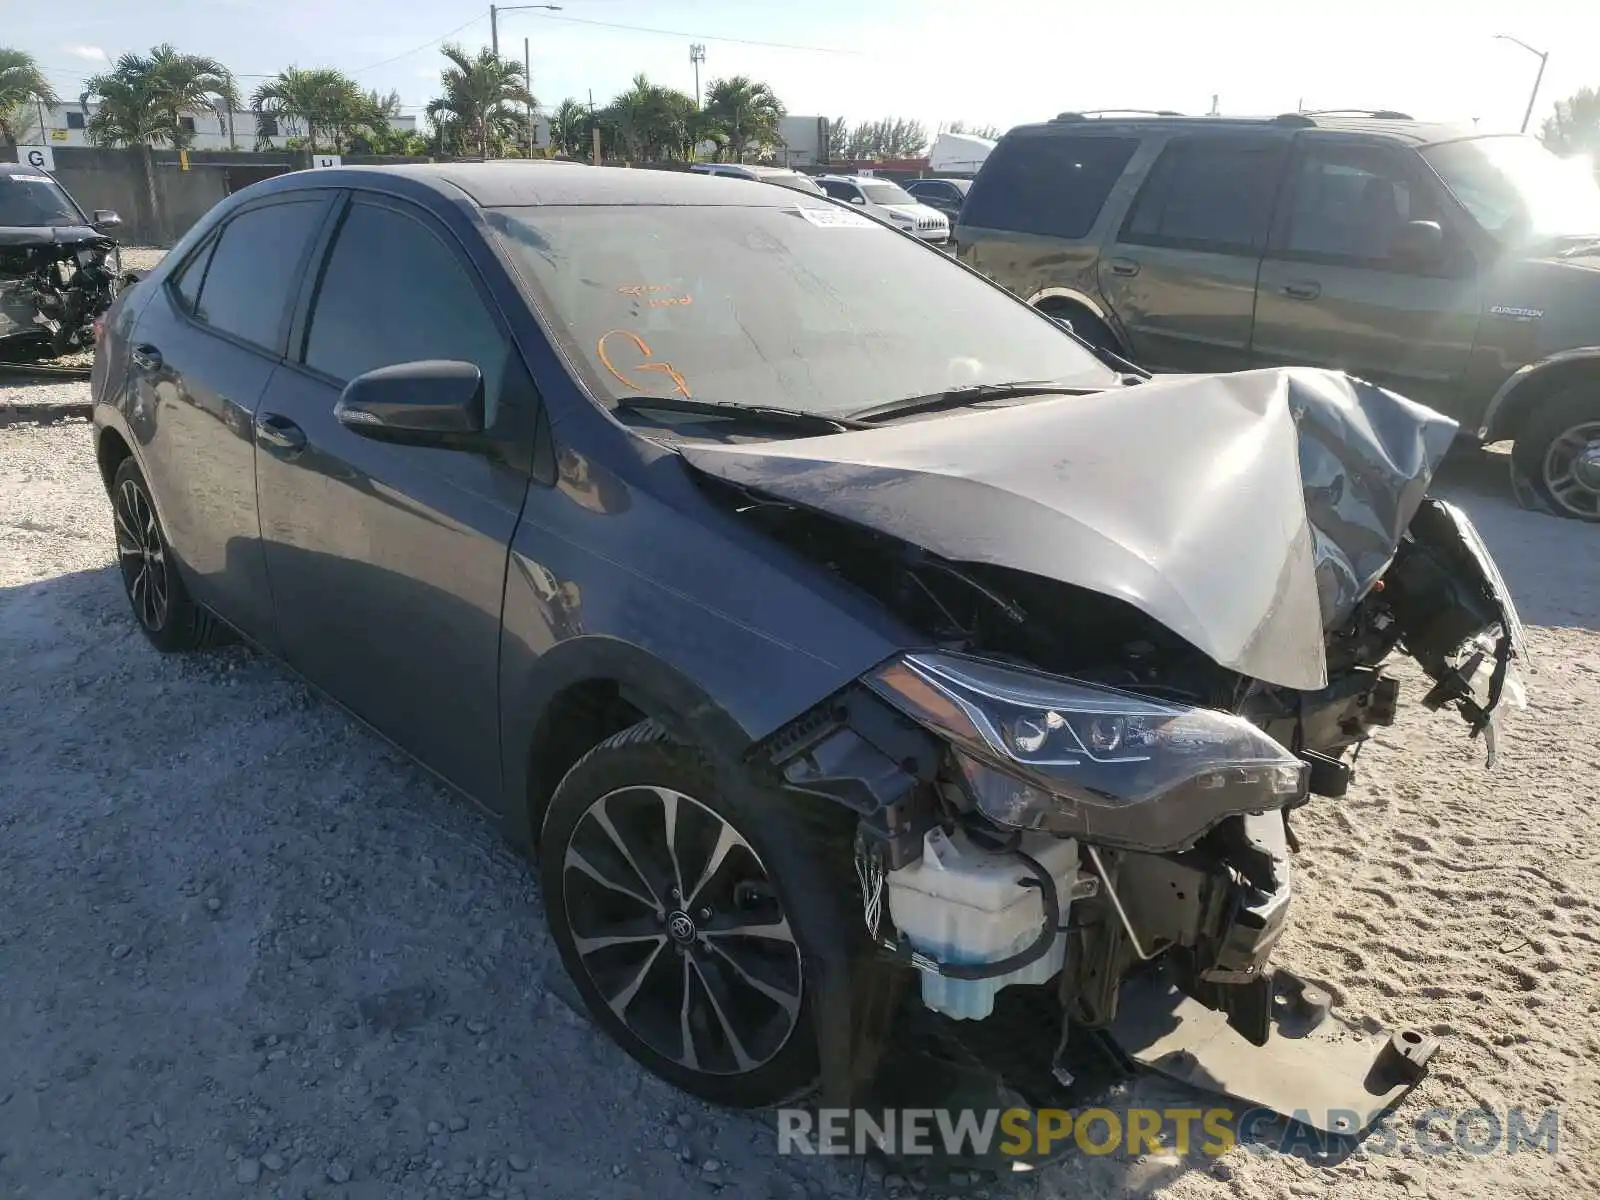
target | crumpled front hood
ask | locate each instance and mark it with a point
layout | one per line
(1247, 513)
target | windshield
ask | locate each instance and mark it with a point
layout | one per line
(32, 200)
(806, 307)
(886, 193)
(1517, 189)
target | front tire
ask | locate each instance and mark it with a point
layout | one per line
(166, 613)
(688, 915)
(1558, 453)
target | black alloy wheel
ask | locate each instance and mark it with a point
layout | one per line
(161, 603)
(691, 907)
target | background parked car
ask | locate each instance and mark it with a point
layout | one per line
(782, 176)
(946, 195)
(1459, 270)
(890, 202)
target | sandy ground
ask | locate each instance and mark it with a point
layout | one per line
(245, 948)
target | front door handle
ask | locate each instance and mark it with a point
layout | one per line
(1302, 289)
(1124, 266)
(280, 433)
(146, 357)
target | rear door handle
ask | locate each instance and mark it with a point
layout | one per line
(280, 433)
(146, 357)
(1124, 266)
(1302, 289)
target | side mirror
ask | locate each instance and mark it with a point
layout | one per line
(861, 200)
(1418, 242)
(432, 403)
(105, 218)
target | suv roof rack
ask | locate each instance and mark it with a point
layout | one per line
(1116, 112)
(1380, 114)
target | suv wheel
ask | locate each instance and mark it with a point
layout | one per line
(686, 915)
(1086, 325)
(1558, 453)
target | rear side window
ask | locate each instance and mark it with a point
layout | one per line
(255, 270)
(186, 280)
(394, 293)
(1049, 185)
(1208, 195)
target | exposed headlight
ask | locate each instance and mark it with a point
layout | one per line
(1062, 756)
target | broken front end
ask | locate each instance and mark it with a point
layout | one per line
(1064, 799)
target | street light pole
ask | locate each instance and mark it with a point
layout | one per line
(494, 20)
(1544, 57)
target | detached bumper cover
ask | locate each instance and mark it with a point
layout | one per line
(1314, 1069)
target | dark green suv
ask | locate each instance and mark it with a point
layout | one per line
(1458, 269)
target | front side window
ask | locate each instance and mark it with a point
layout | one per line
(804, 306)
(1208, 195)
(255, 270)
(1518, 190)
(28, 199)
(393, 292)
(1051, 184)
(1347, 204)
(838, 189)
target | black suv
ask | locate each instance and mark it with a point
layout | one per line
(1459, 269)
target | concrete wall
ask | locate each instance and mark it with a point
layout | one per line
(156, 197)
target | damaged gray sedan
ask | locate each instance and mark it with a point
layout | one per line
(880, 677)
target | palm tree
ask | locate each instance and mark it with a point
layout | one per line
(143, 99)
(22, 87)
(476, 90)
(748, 112)
(182, 83)
(125, 105)
(320, 99)
(569, 127)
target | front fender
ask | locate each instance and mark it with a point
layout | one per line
(1529, 384)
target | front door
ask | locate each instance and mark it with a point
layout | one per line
(1181, 272)
(203, 351)
(1334, 292)
(387, 561)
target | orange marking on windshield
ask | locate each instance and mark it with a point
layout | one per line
(647, 291)
(680, 385)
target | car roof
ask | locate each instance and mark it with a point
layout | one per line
(1378, 123)
(513, 184)
(11, 168)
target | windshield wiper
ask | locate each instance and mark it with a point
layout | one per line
(796, 418)
(960, 397)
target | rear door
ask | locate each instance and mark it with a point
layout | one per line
(1180, 273)
(388, 561)
(1332, 292)
(202, 352)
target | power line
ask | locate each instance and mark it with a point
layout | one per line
(706, 37)
(419, 49)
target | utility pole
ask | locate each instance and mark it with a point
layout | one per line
(527, 80)
(1544, 57)
(697, 55)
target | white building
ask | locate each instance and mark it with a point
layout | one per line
(66, 124)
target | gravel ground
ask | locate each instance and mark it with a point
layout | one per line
(246, 948)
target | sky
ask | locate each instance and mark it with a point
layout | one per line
(1001, 62)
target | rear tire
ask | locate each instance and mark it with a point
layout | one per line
(1087, 326)
(724, 1016)
(1555, 453)
(162, 606)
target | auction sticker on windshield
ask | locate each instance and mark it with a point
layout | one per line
(834, 218)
